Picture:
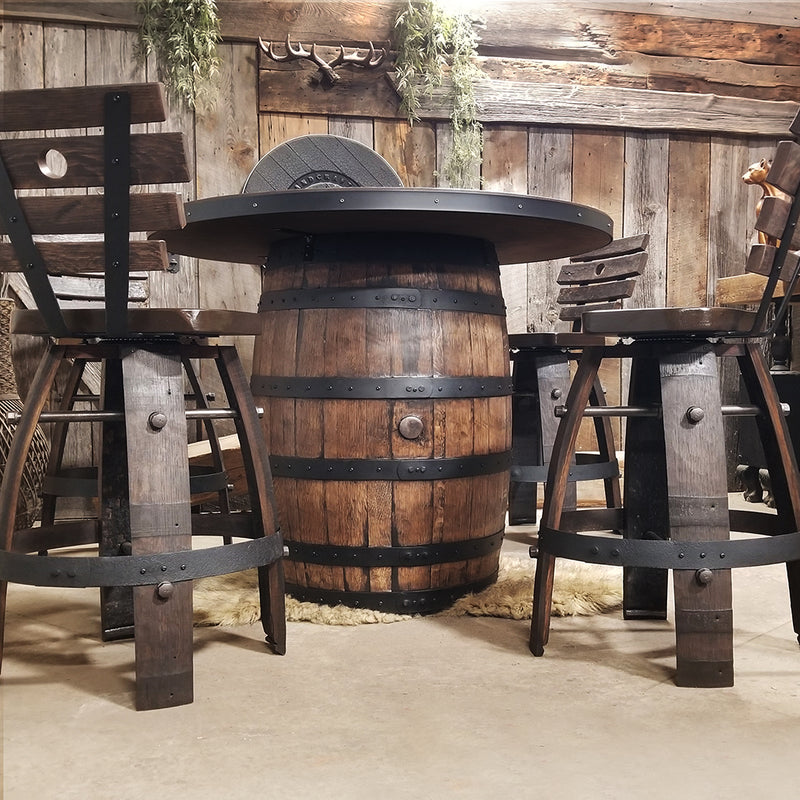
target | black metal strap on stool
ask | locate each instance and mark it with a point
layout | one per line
(668, 554)
(144, 570)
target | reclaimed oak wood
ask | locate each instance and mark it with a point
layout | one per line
(363, 343)
(410, 150)
(598, 181)
(607, 106)
(550, 174)
(505, 169)
(240, 16)
(636, 70)
(226, 152)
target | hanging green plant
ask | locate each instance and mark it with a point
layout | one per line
(430, 43)
(183, 35)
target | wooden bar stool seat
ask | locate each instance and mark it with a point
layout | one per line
(675, 513)
(145, 514)
(601, 279)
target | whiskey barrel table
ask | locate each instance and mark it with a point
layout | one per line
(384, 374)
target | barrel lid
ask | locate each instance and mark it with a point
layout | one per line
(320, 161)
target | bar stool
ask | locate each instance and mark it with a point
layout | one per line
(601, 279)
(675, 512)
(144, 523)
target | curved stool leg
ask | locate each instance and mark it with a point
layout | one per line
(259, 478)
(541, 380)
(15, 463)
(780, 456)
(555, 494)
(604, 433)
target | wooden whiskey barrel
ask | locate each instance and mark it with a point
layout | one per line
(383, 371)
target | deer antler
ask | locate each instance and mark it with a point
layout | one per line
(329, 76)
(371, 59)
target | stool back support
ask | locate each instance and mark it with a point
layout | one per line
(779, 257)
(601, 279)
(82, 234)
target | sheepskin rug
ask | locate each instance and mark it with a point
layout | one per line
(579, 589)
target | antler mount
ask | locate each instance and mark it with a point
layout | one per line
(327, 69)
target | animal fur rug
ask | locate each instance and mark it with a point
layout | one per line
(579, 589)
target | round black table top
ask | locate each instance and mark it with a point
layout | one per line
(240, 228)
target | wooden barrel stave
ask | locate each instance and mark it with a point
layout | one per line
(335, 342)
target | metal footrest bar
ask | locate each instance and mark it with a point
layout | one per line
(14, 417)
(655, 411)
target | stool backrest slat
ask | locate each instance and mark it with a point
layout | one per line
(777, 252)
(66, 196)
(601, 279)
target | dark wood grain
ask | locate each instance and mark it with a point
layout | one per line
(155, 158)
(160, 521)
(381, 342)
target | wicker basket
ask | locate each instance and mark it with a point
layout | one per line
(29, 502)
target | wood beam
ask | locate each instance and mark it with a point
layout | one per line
(611, 107)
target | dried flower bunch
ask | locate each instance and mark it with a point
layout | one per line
(430, 44)
(183, 35)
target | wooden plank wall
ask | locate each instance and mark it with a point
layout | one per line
(683, 187)
(552, 71)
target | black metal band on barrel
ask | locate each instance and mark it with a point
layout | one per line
(402, 388)
(387, 469)
(410, 556)
(144, 570)
(420, 601)
(383, 297)
(669, 554)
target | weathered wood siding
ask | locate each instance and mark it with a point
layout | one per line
(556, 75)
(650, 111)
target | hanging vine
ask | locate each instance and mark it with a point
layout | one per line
(183, 35)
(430, 44)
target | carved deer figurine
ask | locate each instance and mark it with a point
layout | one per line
(327, 68)
(756, 175)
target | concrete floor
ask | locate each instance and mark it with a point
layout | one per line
(431, 708)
